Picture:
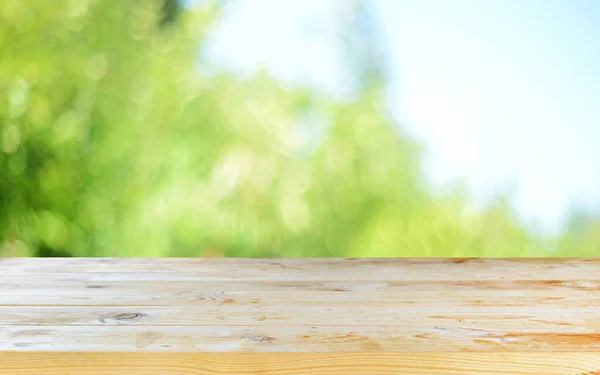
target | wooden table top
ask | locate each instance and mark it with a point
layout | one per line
(401, 309)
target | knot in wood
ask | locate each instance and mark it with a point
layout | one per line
(95, 286)
(261, 339)
(123, 317)
(128, 316)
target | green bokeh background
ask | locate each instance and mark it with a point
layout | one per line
(118, 139)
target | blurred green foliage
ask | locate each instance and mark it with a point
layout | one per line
(116, 142)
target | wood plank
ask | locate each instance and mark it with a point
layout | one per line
(276, 338)
(92, 363)
(47, 282)
(491, 298)
(513, 319)
(165, 263)
(379, 269)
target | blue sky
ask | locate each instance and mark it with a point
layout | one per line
(504, 94)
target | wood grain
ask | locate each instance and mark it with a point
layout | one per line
(511, 318)
(331, 269)
(493, 363)
(299, 316)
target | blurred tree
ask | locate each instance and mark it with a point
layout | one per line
(89, 95)
(116, 142)
(170, 11)
(582, 234)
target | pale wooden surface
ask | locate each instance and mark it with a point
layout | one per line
(289, 316)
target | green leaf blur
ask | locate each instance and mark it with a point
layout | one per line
(117, 140)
